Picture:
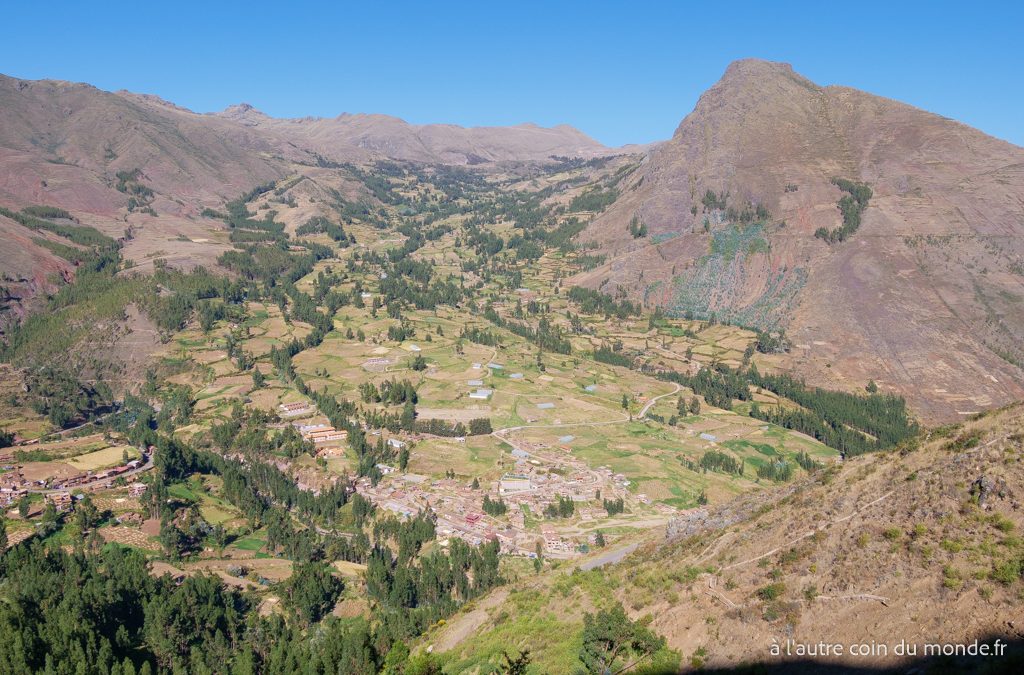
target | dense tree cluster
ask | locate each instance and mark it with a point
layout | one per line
(852, 206)
(614, 506)
(562, 507)
(494, 507)
(56, 392)
(596, 302)
(777, 470)
(712, 460)
(546, 335)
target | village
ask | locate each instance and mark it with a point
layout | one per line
(58, 482)
(536, 483)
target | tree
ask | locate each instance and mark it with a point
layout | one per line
(154, 499)
(516, 665)
(172, 539)
(86, 514)
(258, 378)
(599, 539)
(694, 406)
(612, 643)
(51, 520)
(24, 506)
(311, 591)
(403, 458)
(480, 426)
(219, 537)
(3, 533)
(408, 419)
(625, 402)
(872, 388)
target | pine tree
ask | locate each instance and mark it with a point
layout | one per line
(695, 406)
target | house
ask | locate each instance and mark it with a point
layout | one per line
(293, 409)
(326, 435)
(481, 394)
(396, 444)
(136, 489)
(61, 500)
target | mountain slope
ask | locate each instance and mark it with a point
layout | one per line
(926, 297)
(61, 143)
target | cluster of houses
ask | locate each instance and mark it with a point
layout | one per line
(14, 485)
(88, 478)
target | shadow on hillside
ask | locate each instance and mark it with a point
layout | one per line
(1011, 661)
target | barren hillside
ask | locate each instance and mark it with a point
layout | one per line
(926, 297)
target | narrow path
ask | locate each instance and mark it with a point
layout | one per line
(609, 558)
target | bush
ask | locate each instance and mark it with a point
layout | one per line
(1007, 572)
(771, 591)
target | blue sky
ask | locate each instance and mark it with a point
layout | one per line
(621, 72)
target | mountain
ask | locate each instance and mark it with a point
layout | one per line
(926, 297)
(368, 136)
(62, 143)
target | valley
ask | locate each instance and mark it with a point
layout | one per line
(401, 398)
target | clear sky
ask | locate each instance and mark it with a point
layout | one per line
(623, 72)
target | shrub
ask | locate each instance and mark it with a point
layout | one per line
(771, 591)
